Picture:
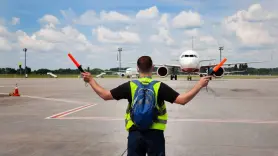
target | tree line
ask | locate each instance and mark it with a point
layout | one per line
(244, 70)
(43, 71)
(241, 67)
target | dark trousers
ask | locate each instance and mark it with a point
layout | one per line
(151, 142)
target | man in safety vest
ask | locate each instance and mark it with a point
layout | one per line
(152, 140)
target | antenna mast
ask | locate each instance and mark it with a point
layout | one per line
(192, 42)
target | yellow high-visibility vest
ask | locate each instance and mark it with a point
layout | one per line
(161, 121)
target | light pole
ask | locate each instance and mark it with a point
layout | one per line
(221, 48)
(25, 50)
(120, 57)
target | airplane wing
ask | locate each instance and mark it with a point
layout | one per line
(229, 64)
(167, 65)
(159, 65)
(234, 72)
(208, 60)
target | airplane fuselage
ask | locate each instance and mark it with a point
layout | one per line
(189, 61)
(131, 72)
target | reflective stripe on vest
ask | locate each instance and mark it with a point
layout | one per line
(161, 121)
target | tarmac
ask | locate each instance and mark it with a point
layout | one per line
(63, 117)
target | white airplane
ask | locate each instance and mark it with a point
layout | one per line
(100, 75)
(129, 73)
(190, 63)
(52, 75)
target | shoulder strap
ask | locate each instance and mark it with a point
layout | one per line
(138, 83)
(153, 82)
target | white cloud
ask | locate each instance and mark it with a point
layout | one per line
(208, 40)
(251, 26)
(149, 13)
(113, 16)
(255, 13)
(108, 36)
(163, 36)
(15, 20)
(164, 20)
(3, 30)
(187, 20)
(4, 44)
(31, 42)
(191, 32)
(49, 39)
(68, 14)
(91, 18)
(49, 19)
(88, 18)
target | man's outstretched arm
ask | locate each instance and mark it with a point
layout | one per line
(188, 96)
(103, 93)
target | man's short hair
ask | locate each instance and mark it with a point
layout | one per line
(145, 64)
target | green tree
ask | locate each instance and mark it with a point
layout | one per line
(235, 67)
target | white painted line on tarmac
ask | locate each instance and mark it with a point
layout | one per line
(227, 121)
(50, 99)
(179, 120)
(71, 111)
(53, 99)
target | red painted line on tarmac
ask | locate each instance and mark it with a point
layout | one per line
(62, 114)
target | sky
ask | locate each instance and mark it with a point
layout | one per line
(94, 30)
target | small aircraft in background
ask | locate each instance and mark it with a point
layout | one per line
(128, 73)
(52, 75)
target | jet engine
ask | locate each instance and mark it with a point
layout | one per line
(162, 71)
(219, 72)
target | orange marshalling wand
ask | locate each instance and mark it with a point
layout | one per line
(76, 63)
(215, 69)
(219, 65)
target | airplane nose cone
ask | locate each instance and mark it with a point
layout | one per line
(189, 63)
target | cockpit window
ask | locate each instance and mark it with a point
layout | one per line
(189, 56)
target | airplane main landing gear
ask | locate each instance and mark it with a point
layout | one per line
(173, 77)
(189, 78)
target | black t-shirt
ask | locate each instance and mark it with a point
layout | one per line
(165, 93)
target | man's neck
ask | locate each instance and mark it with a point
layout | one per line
(141, 75)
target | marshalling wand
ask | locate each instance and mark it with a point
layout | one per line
(77, 65)
(215, 69)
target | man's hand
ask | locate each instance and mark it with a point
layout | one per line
(204, 81)
(87, 77)
(104, 94)
(188, 96)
